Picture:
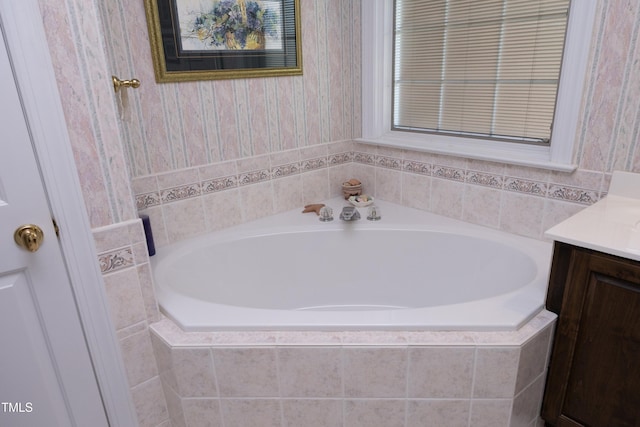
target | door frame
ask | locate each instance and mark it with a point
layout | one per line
(35, 77)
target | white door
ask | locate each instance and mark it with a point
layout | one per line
(46, 376)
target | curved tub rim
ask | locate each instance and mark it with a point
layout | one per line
(529, 298)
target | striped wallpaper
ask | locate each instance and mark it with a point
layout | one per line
(172, 126)
(162, 128)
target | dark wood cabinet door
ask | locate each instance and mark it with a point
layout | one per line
(594, 375)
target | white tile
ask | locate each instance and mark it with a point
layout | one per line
(246, 372)
(440, 372)
(310, 372)
(375, 372)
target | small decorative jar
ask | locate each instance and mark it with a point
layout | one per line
(353, 187)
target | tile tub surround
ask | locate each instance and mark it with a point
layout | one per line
(354, 378)
(520, 200)
(187, 202)
(124, 262)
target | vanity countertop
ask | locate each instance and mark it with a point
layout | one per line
(611, 225)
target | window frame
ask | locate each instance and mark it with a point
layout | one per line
(377, 88)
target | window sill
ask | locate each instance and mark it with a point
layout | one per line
(503, 152)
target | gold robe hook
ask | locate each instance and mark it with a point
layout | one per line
(117, 83)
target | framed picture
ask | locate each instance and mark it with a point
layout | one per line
(224, 39)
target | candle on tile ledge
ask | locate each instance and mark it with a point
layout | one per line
(146, 224)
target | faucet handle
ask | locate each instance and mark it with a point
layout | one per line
(325, 214)
(374, 213)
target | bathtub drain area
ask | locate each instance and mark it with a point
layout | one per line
(354, 378)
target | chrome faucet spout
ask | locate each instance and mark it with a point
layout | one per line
(349, 213)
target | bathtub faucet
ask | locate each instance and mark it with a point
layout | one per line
(349, 213)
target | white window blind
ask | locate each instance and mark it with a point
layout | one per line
(486, 68)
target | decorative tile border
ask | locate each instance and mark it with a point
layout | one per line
(419, 168)
(180, 193)
(285, 170)
(364, 158)
(313, 164)
(571, 194)
(116, 260)
(452, 174)
(388, 162)
(472, 177)
(485, 179)
(519, 185)
(147, 200)
(219, 184)
(341, 158)
(173, 194)
(254, 177)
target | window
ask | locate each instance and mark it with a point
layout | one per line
(483, 120)
(478, 68)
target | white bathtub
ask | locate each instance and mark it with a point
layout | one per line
(410, 270)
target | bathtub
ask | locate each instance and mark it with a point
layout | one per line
(410, 270)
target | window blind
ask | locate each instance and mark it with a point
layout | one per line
(487, 68)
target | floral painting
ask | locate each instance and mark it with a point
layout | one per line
(230, 24)
(195, 40)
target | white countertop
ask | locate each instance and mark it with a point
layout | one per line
(611, 225)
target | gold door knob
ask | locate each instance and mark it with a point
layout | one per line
(29, 236)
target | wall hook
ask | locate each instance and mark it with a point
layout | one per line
(117, 83)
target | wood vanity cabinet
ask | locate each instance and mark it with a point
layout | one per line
(594, 371)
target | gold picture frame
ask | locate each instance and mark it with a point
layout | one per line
(225, 39)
